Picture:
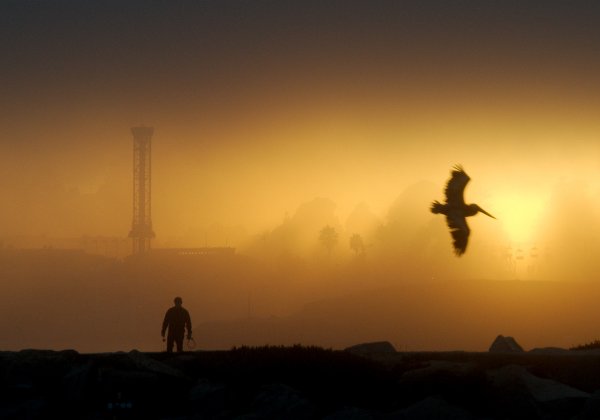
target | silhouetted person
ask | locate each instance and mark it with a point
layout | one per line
(177, 319)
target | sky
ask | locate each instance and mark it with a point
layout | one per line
(259, 107)
(273, 119)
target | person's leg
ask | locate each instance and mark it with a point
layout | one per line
(179, 342)
(170, 340)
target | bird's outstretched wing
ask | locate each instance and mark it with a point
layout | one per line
(456, 186)
(460, 233)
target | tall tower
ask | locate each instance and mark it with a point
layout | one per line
(141, 228)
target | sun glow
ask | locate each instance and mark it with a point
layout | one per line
(518, 214)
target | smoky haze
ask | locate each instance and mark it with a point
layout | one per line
(274, 121)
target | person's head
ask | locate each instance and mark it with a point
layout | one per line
(178, 301)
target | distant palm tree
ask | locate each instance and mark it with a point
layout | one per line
(356, 244)
(328, 238)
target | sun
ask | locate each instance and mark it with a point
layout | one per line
(519, 214)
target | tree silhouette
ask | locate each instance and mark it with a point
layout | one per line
(328, 238)
(356, 244)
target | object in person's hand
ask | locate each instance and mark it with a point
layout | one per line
(190, 343)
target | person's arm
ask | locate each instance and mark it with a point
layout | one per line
(165, 324)
(188, 323)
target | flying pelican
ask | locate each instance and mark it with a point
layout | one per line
(456, 210)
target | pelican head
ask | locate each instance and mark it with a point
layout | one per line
(473, 209)
(479, 209)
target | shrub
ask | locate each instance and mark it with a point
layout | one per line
(588, 346)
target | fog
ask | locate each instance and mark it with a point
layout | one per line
(273, 122)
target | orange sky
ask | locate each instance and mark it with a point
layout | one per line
(258, 109)
(274, 119)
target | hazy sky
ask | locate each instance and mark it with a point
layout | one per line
(280, 116)
(259, 106)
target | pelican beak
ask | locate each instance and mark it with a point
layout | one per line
(486, 213)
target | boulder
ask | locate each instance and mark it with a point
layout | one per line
(541, 390)
(523, 395)
(27, 409)
(145, 363)
(437, 368)
(373, 347)
(78, 382)
(208, 400)
(279, 401)
(432, 408)
(352, 413)
(127, 380)
(457, 381)
(591, 408)
(504, 344)
(29, 371)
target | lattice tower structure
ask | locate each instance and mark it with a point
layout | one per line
(141, 228)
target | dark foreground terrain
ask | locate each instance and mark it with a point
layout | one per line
(299, 383)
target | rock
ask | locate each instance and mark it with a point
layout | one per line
(279, 401)
(591, 408)
(207, 400)
(146, 363)
(505, 345)
(437, 368)
(126, 393)
(374, 347)
(460, 382)
(28, 409)
(549, 350)
(127, 380)
(541, 390)
(351, 413)
(77, 382)
(525, 395)
(29, 371)
(432, 408)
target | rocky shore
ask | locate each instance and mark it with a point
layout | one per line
(299, 383)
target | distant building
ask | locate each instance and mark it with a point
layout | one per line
(185, 255)
(193, 252)
(55, 257)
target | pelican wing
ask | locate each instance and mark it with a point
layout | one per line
(455, 187)
(460, 233)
